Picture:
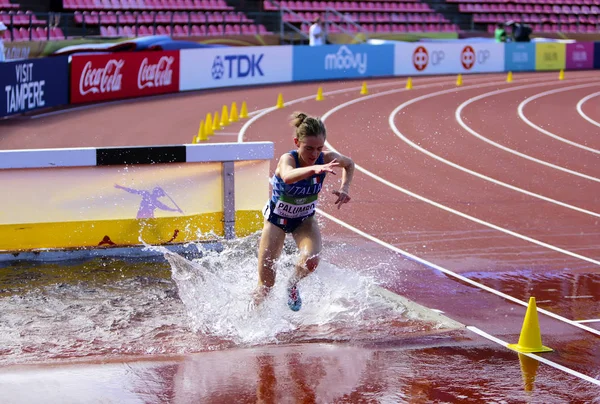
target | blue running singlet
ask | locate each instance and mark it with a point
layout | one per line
(291, 204)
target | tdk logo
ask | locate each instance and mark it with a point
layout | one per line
(237, 66)
(344, 59)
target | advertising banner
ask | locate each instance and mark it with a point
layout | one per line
(28, 85)
(519, 57)
(342, 62)
(596, 55)
(123, 75)
(550, 56)
(445, 58)
(235, 66)
(580, 55)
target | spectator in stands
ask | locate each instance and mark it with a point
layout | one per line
(520, 32)
(3, 29)
(315, 33)
(500, 33)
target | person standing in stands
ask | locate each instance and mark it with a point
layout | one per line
(3, 29)
(316, 36)
(500, 33)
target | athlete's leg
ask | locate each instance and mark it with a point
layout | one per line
(270, 246)
(308, 240)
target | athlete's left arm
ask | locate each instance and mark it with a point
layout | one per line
(347, 165)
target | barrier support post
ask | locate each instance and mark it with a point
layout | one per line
(228, 199)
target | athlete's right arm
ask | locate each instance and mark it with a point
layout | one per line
(286, 169)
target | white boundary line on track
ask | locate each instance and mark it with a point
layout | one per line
(394, 186)
(537, 357)
(436, 82)
(474, 173)
(583, 114)
(443, 207)
(594, 320)
(544, 131)
(431, 265)
(508, 149)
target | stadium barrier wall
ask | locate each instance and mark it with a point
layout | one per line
(35, 84)
(130, 196)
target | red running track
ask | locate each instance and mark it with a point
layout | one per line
(469, 219)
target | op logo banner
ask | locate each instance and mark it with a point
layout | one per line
(447, 58)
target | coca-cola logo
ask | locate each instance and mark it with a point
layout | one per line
(103, 79)
(159, 74)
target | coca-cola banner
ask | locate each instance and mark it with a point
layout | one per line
(123, 75)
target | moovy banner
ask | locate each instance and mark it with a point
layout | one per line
(32, 84)
(342, 62)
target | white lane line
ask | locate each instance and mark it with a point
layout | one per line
(444, 207)
(407, 254)
(544, 131)
(395, 129)
(436, 81)
(453, 274)
(508, 149)
(583, 114)
(537, 357)
(595, 320)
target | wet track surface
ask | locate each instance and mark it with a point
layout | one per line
(123, 331)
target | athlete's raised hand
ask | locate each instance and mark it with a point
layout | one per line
(327, 168)
(343, 197)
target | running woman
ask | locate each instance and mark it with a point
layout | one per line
(296, 184)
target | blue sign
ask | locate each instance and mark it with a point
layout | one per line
(31, 84)
(596, 55)
(342, 61)
(519, 57)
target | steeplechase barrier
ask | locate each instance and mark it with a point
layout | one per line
(64, 199)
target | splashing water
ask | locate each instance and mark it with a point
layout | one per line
(338, 304)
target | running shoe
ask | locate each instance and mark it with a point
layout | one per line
(294, 300)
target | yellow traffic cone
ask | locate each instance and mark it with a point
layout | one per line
(244, 111)
(216, 123)
(364, 90)
(280, 101)
(561, 74)
(319, 94)
(233, 117)
(195, 139)
(509, 78)
(201, 134)
(409, 83)
(208, 125)
(459, 80)
(530, 339)
(224, 116)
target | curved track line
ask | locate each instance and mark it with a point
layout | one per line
(437, 82)
(406, 253)
(474, 173)
(453, 274)
(508, 149)
(544, 131)
(583, 114)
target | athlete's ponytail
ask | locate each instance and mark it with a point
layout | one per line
(307, 125)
